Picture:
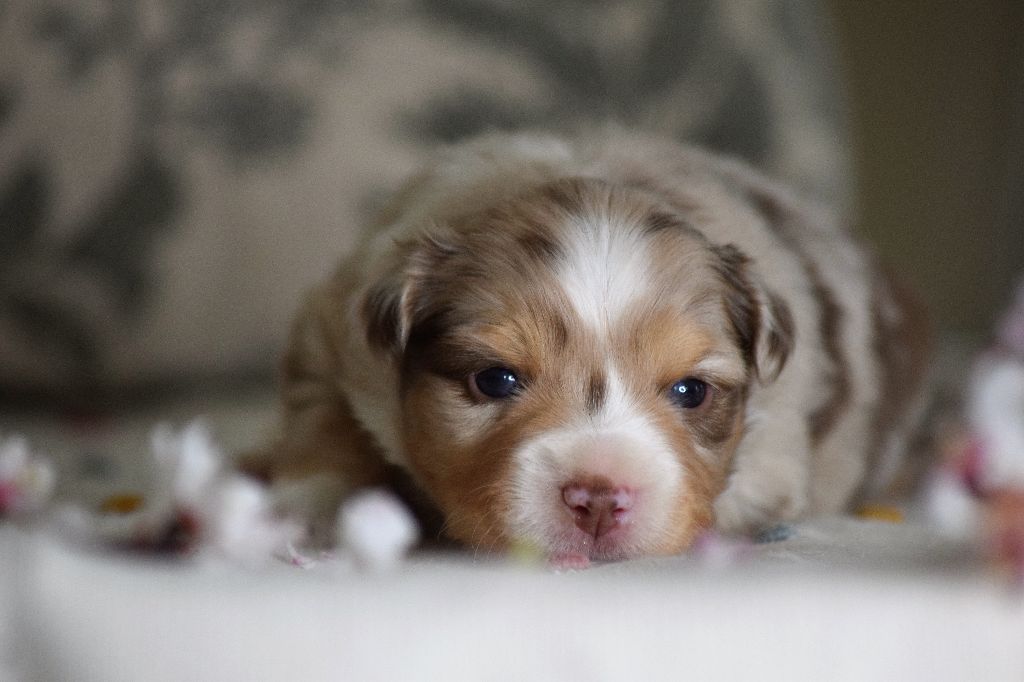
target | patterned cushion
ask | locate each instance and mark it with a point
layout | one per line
(174, 173)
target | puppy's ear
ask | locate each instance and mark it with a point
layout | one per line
(398, 297)
(761, 321)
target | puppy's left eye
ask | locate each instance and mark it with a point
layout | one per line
(689, 393)
(496, 382)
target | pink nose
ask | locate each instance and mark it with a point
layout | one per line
(597, 507)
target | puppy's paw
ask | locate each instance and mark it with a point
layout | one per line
(750, 514)
(312, 501)
(257, 464)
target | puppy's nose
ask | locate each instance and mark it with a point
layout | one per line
(597, 507)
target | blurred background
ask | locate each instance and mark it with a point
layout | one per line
(936, 106)
(175, 173)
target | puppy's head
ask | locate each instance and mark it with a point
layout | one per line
(574, 368)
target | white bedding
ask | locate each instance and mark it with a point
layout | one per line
(839, 599)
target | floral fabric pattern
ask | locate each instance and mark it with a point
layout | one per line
(174, 173)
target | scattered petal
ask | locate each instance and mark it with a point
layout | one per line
(377, 528)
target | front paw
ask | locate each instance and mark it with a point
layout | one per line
(312, 501)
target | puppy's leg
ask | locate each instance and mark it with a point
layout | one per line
(766, 490)
(323, 452)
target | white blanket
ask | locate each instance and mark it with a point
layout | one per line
(840, 599)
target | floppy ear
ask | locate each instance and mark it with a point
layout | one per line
(398, 297)
(761, 321)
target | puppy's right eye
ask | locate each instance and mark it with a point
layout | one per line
(496, 383)
(689, 393)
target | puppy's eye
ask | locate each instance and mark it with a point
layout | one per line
(689, 393)
(496, 382)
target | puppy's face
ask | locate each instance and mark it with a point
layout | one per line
(575, 365)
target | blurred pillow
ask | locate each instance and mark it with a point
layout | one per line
(174, 173)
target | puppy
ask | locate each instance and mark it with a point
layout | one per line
(601, 350)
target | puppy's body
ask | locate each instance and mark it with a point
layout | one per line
(528, 328)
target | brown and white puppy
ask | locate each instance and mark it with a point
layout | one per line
(602, 350)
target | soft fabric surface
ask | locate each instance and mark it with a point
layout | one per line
(841, 600)
(838, 599)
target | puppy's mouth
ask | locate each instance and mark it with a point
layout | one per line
(580, 552)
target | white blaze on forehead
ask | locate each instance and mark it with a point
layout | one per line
(605, 269)
(619, 411)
